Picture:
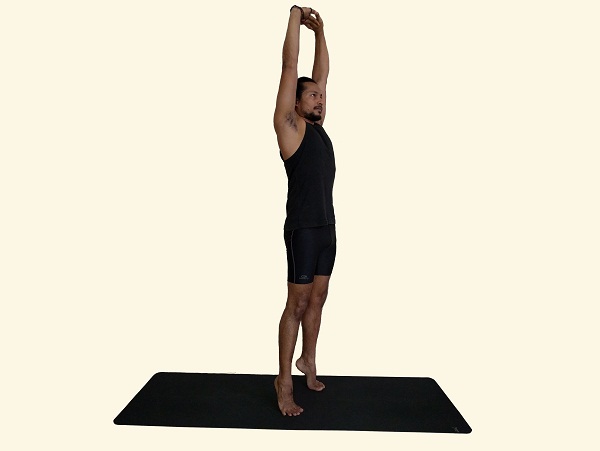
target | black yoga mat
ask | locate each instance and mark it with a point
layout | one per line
(248, 401)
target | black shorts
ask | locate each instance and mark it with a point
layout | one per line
(310, 252)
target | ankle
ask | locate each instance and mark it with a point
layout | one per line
(309, 360)
(284, 379)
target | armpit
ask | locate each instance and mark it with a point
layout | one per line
(290, 119)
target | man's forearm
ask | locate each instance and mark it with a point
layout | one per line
(291, 45)
(321, 64)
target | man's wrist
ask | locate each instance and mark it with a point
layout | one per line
(301, 12)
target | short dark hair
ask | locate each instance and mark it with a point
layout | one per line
(300, 86)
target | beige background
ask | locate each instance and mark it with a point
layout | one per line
(143, 199)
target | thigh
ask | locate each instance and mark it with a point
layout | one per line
(319, 291)
(326, 258)
(304, 247)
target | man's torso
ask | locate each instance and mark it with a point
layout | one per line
(311, 174)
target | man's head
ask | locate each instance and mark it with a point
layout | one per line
(309, 99)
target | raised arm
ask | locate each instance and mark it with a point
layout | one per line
(286, 96)
(285, 118)
(321, 64)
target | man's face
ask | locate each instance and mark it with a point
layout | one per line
(310, 105)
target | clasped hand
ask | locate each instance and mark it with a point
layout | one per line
(312, 21)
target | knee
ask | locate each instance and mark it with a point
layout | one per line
(297, 306)
(319, 298)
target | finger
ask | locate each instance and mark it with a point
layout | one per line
(317, 19)
(314, 22)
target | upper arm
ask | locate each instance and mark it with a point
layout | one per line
(285, 118)
(285, 106)
(322, 86)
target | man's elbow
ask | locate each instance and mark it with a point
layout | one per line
(289, 64)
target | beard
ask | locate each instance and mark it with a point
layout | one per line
(312, 116)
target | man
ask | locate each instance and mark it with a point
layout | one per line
(309, 229)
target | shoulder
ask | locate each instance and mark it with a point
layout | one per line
(290, 133)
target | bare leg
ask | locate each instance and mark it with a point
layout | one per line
(297, 302)
(311, 324)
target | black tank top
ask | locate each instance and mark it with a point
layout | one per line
(310, 172)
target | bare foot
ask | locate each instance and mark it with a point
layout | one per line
(311, 374)
(285, 399)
